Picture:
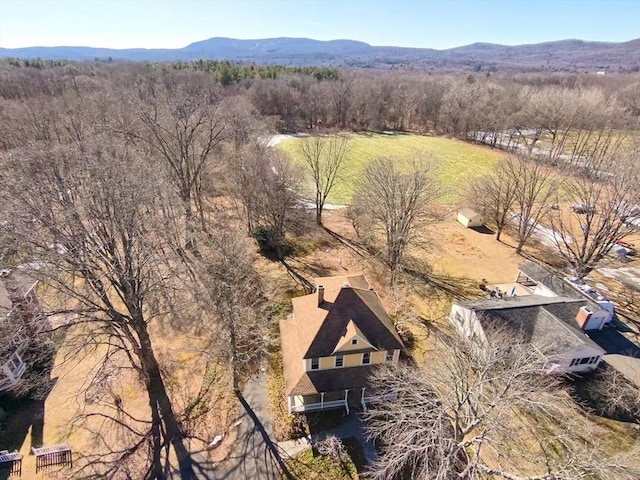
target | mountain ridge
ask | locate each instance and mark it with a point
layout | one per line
(555, 55)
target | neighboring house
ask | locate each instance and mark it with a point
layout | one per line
(20, 319)
(550, 324)
(332, 342)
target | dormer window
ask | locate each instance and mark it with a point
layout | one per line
(354, 341)
(389, 357)
(366, 358)
(315, 364)
(339, 361)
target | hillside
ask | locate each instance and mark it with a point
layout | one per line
(564, 55)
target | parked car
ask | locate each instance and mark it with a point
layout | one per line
(619, 251)
(628, 246)
(582, 207)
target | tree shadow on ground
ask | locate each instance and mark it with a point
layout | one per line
(298, 277)
(356, 247)
(458, 288)
(313, 268)
(271, 454)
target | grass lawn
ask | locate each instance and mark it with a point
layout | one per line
(309, 465)
(458, 160)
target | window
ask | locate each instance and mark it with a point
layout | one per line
(15, 363)
(315, 363)
(366, 358)
(583, 361)
(389, 357)
(354, 341)
(339, 361)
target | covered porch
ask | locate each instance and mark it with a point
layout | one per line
(347, 399)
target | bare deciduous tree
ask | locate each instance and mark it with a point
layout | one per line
(331, 446)
(231, 290)
(616, 394)
(494, 194)
(266, 183)
(94, 220)
(585, 236)
(462, 416)
(323, 157)
(393, 197)
(179, 120)
(536, 190)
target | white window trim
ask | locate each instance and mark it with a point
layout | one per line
(15, 364)
(335, 363)
(363, 357)
(317, 367)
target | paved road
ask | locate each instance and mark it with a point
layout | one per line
(250, 457)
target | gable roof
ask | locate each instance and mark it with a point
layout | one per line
(350, 332)
(546, 322)
(364, 309)
(316, 330)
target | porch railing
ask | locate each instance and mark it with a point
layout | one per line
(310, 407)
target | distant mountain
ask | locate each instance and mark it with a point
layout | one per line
(572, 55)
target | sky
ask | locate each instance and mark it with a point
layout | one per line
(407, 23)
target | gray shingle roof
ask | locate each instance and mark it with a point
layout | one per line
(540, 274)
(546, 322)
(334, 380)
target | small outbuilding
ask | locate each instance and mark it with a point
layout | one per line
(470, 218)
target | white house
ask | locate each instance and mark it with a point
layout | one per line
(469, 218)
(550, 324)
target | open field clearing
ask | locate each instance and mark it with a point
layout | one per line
(459, 161)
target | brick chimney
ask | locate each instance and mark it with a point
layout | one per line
(583, 316)
(320, 294)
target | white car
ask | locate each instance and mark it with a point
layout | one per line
(633, 221)
(582, 207)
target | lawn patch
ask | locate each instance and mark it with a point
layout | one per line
(309, 465)
(459, 161)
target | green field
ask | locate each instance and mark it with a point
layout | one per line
(457, 161)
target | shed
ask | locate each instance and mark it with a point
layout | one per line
(469, 218)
